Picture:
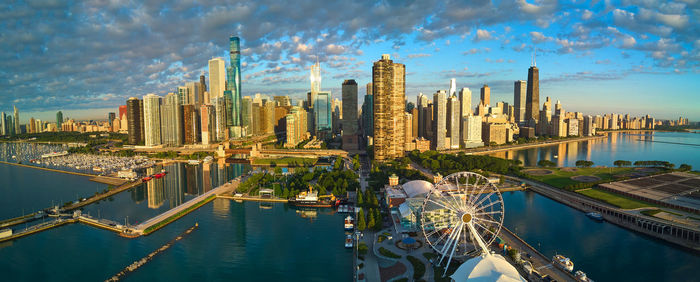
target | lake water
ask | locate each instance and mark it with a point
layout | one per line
(675, 147)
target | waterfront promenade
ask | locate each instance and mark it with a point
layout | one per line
(489, 149)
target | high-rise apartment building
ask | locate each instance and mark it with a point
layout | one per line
(191, 124)
(183, 94)
(217, 78)
(368, 115)
(439, 120)
(171, 121)
(110, 117)
(315, 78)
(219, 104)
(532, 99)
(453, 121)
(421, 103)
(207, 115)
(133, 114)
(268, 122)
(408, 132)
(485, 95)
(471, 136)
(246, 115)
(349, 124)
(3, 124)
(389, 88)
(414, 122)
(151, 116)
(296, 127)
(520, 100)
(282, 101)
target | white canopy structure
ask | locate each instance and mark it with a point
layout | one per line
(416, 187)
(487, 267)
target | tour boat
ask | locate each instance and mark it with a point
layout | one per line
(146, 179)
(310, 199)
(563, 262)
(348, 241)
(349, 223)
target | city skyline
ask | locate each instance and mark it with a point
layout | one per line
(586, 53)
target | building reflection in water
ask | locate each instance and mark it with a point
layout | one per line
(206, 176)
(155, 190)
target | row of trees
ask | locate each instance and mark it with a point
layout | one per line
(665, 164)
(584, 163)
(379, 175)
(448, 163)
(373, 219)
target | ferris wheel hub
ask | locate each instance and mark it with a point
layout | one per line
(466, 217)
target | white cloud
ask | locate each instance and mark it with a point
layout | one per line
(482, 34)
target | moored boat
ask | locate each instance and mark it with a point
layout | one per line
(595, 215)
(563, 262)
(348, 241)
(349, 223)
(581, 276)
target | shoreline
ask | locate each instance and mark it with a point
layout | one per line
(488, 150)
(93, 177)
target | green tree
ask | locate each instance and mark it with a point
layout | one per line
(361, 220)
(360, 201)
(685, 167)
(546, 163)
(621, 163)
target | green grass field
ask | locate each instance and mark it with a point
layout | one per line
(614, 199)
(561, 178)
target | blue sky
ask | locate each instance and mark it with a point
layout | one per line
(87, 57)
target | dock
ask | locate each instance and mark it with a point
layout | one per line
(19, 220)
(99, 197)
(38, 228)
(102, 178)
(171, 215)
(254, 199)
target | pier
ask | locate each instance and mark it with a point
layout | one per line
(38, 228)
(101, 196)
(254, 199)
(93, 177)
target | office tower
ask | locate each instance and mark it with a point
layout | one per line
(421, 102)
(614, 122)
(368, 115)
(133, 115)
(208, 119)
(171, 121)
(3, 124)
(349, 96)
(122, 113)
(268, 115)
(110, 117)
(282, 101)
(389, 88)
(59, 117)
(336, 115)
(296, 127)
(151, 116)
(520, 100)
(194, 91)
(17, 129)
(246, 115)
(485, 95)
(558, 110)
(10, 125)
(315, 78)
(217, 78)
(471, 136)
(453, 121)
(219, 104)
(408, 132)
(203, 84)
(191, 125)
(453, 88)
(439, 120)
(322, 114)
(183, 94)
(427, 122)
(532, 99)
(414, 127)
(234, 85)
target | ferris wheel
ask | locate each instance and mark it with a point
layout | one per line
(461, 214)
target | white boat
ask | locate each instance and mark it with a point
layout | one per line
(193, 162)
(349, 223)
(581, 276)
(348, 241)
(208, 159)
(563, 262)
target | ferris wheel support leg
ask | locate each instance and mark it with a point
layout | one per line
(454, 247)
(477, 238)
(450, 240)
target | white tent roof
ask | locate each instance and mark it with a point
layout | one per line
(404, 210)
(488, 267)
(416, 187)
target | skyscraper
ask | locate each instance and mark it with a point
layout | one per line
(191, 125)
(3, 124)
(220, 109)
(194, 91)
(59, 118)
(217, 78)
(453, 87)
(203, 84)
(183, 95)
(520, 100)
(17, 129)
(485, 95)
(208, 119)
(111, 116)
(234, 85)
(246, 112)
(151, 122)
(349, 115)
(453, 121)
(471, 136)
(439, 120)
(465, 105)
(171, 121)
(532, 113)
(389, 88)
(133, 113)
(315, 78)
(322, 114)
(421, 102)
(368, 115)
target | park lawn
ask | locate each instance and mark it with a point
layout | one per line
(614, 199)
(561, 178)
(286, 161)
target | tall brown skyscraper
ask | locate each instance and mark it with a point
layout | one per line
(389, 87)
(485, 95)
(533, 95)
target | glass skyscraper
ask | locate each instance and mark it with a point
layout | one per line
(233, 87)
(322, 112)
